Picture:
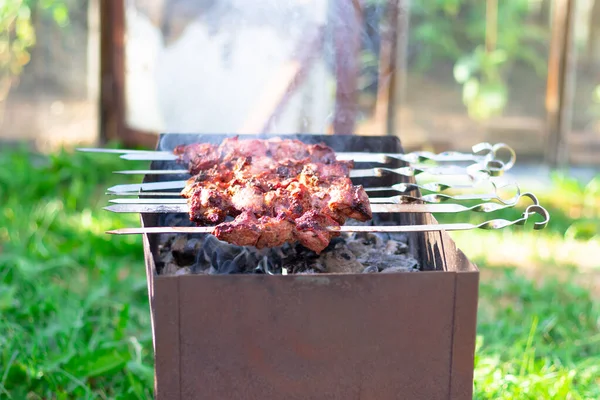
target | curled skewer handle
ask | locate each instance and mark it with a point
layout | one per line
(456, 208)
(476, 172)
(539, 210)
(513, 156)
(440, 197)
(438, 187)
(529, 212)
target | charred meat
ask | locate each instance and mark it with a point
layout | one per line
(277, 191)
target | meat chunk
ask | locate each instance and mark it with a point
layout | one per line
(278, 191)
(312, 230)
(208, 206)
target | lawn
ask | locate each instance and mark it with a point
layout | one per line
(74, 316)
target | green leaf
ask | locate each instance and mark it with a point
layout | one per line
(582, 230)
(494, 96)
(122, 322)
(60, 13)
(7, 297)
(143, 372)
(470, 90)
(98, 362)
(464, 69)
(597, 94)
(498, 57)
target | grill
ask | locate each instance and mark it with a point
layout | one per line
(228, 322)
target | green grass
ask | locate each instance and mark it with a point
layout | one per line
(74, 316)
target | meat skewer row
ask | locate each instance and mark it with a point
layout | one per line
(483, 153)
(278, 191)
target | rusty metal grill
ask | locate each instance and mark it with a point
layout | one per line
(335, 336)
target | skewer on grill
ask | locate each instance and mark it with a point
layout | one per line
(474, 171)
(483, 153)
(161, 206)
(434, 198)
(150, 188)
(400, 188)
(493, 224)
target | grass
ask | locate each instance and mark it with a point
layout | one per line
(74, 316)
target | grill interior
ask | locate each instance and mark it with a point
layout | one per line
(428, 260)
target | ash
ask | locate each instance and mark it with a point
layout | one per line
(354, 253)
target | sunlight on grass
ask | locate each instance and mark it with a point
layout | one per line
(528, 248)
(536, 341)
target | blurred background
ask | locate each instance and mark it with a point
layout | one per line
(441, 75)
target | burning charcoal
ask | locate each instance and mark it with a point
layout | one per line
(167, 258)
(308, 272)
(341, 260)
(165, 241)
(370, 270)
(394, 247)
(333, 243)
(184, 250)
(403, 263)
(212, 271)
(358, 247)
(317, 266)
(391, 270)
(170, 269)
(183, 271)
(179, 244)
(399, 237)
(266, 266)
(229, 267)
(374, 240)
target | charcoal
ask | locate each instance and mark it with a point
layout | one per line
(349, 253)
(170, 269)
(183, 271)
(308, 272)
(403, 262)
(341, 260)
(184, 251)
(399, 237)
(397, 269)
(395, 247)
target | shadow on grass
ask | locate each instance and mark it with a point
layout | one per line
(75, 317)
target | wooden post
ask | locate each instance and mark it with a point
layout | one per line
(113, 122)
(387, 69)
(491, 25)
(346, 20)
(112, 69)
(398, 82)
(560, 84)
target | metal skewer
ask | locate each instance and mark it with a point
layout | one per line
(482, 153)
(474, 171)
(493, 224)
(152, 187)
(439, 187)
(154, 206)
(176, 198)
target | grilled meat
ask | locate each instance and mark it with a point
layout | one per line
(203, 156)
(278, 191)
